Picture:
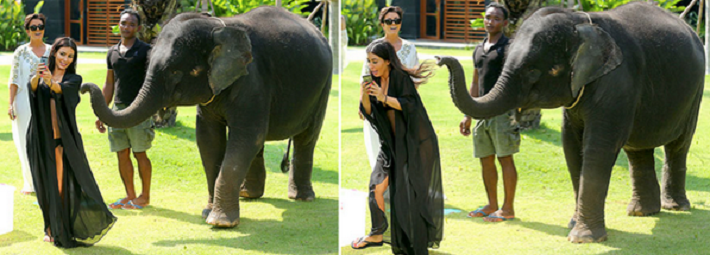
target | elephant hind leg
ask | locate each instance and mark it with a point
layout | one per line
(674, 170)
(299, 181)
(254, 182)
(645, 199)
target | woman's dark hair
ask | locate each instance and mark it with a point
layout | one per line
(59, 43)
(385, 50)
(30, 17)
(132, 12)
(500, 7)
(389, 9)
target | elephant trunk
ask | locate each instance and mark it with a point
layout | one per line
(498, 101)
(147, 103)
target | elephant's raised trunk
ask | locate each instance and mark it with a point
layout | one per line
(143, 107)
(498, 101)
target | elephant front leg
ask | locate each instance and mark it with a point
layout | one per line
(254, 182)
(646, 198)
(572, 144)
(240, 152)
(212, 142)
(602, 143)
(299, 181)
(674, 170)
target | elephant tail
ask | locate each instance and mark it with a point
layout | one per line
(285, 162)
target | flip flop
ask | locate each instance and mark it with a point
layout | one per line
(477, 211)
(499, 217)
(117, 204)
(135, 206)
(367, 244)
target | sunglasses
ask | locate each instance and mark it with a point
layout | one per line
(35, 28)
(393, 21)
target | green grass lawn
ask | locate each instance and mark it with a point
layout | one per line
(172, 224)
(544, 198)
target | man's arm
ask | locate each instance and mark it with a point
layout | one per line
(474, 84)
(108, 87)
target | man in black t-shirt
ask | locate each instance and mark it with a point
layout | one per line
(127, 62)
(498, 136)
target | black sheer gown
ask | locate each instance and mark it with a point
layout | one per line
(81, 218)
(410, 157)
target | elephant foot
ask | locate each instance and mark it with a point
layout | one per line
(643, 207)
(206, 212)
(222, 219)
(302, 194)
(585, 235)
(572, 223)
(251, 194)
(675, 204)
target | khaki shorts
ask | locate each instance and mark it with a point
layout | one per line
(499, 135)
(138, 138)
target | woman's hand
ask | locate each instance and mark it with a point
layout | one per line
(376, 90)
(45, 74)
(11, 112)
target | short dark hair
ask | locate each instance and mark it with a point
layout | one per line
(389, 9)
(30, 17)
(499, 6)
(63, 42)
(132, 12)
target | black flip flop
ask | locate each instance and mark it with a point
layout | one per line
(367, 244)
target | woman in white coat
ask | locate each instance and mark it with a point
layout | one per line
(24, 65)
(391, 22)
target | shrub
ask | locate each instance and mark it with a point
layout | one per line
(12, 30)
(361, 21)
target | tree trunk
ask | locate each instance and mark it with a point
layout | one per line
(700, 16)
(278, 3)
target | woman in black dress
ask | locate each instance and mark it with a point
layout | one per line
(409, 160)
(73, 209)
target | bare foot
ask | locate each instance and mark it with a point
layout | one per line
(499, 216)
(26, 192)
(367, 241)
(137, 203)
(482, 211)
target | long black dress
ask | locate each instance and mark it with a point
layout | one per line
(81, 218)
(412, 155)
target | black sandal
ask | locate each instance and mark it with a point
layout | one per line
(367, 244)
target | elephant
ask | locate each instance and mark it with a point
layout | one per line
(630, 78)
(260, 76)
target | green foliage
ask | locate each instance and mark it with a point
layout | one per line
(361, 20)
(603, 5)
(12, 19)
(12, 23)
(478, 23)
(228, 8)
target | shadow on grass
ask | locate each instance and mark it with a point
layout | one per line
(352, 130)
(14, 237)
(97, 249)
(678, 231)
(300, 227)
(5, 137)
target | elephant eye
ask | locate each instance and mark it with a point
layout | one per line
(556, 70)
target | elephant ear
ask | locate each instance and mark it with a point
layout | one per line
(229, 58)
(597, 55)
